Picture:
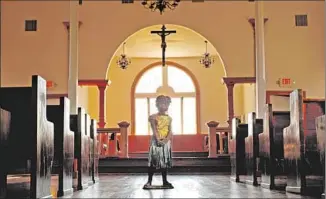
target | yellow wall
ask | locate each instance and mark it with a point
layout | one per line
(238, 100)
(295, 52)
(82, 93)
(249, 99)
(280, 103)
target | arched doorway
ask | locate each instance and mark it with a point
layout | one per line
(178, 83)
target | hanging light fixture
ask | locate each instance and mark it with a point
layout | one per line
(206, 60)
(123, 61)
(160, 5)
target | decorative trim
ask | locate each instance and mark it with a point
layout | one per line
(222, 129)
(314, 99)
(140, 74)
(123, 124)
(94, 82)
(252, 22)
(67, 24)
(56, 95)
(239, 80)
(212, 124)
(284, 93)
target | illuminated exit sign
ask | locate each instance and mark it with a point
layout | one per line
(50, 84)
(285, 82)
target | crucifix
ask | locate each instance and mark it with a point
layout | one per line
(163, 33)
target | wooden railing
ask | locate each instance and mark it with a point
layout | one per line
(224, 134)
(110, 145)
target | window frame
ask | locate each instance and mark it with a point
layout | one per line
(195, 94)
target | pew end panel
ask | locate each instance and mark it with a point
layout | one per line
(88, 160)
(271, 149)
(313, 167)
(303, 166)
(95, 151)
(28, 170)
(62, 172)
(5, 118)
(321, 131)
(293, 144)
(237, 150)
(77, 125)
(255, 127)
(265, 149)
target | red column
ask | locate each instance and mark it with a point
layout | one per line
(230, 87)
(101, 111)
(101, 123)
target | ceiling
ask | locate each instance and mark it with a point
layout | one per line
(185, 43)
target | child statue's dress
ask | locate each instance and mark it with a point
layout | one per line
(160, 156)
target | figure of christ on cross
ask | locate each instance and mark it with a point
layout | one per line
(163, 33)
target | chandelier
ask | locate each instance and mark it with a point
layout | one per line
(160, 5)
(206, 60)
(123, 61)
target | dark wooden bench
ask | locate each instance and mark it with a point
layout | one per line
(28, 152)
(63, 146)
(5, 118)
(87, 149)
(95, 151)
(255, 127)
(321, 133)
(302, 158)
(77, 125)
(237, 150)
(271, 153)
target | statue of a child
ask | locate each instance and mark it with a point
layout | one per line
(160, 154)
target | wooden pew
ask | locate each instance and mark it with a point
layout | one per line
(95, 151)
(313, 109)
(237, 150)
(77, 125)
(28, 152)
(63, 146)
(88, 142)
(271, 153)
(255, 127)
(5, 118)
(302, 161)
(321, 131)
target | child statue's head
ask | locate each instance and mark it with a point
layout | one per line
(162, 103)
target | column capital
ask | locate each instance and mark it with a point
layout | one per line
(100, 83)
(124, 124)
(238, 80)
(101, 124)
(212, 124)
(252, 22)
(67, 24)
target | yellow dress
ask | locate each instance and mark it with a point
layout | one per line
(163, 123)
(160, 156)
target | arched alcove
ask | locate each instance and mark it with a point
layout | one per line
(175, 81)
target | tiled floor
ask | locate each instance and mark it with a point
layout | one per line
(186, 186)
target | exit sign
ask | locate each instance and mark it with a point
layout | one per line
(285, 82)
(50, 84)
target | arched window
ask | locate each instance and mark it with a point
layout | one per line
(171, 81)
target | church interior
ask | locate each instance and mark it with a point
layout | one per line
(79, 81)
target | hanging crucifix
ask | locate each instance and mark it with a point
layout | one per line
(163, 33)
